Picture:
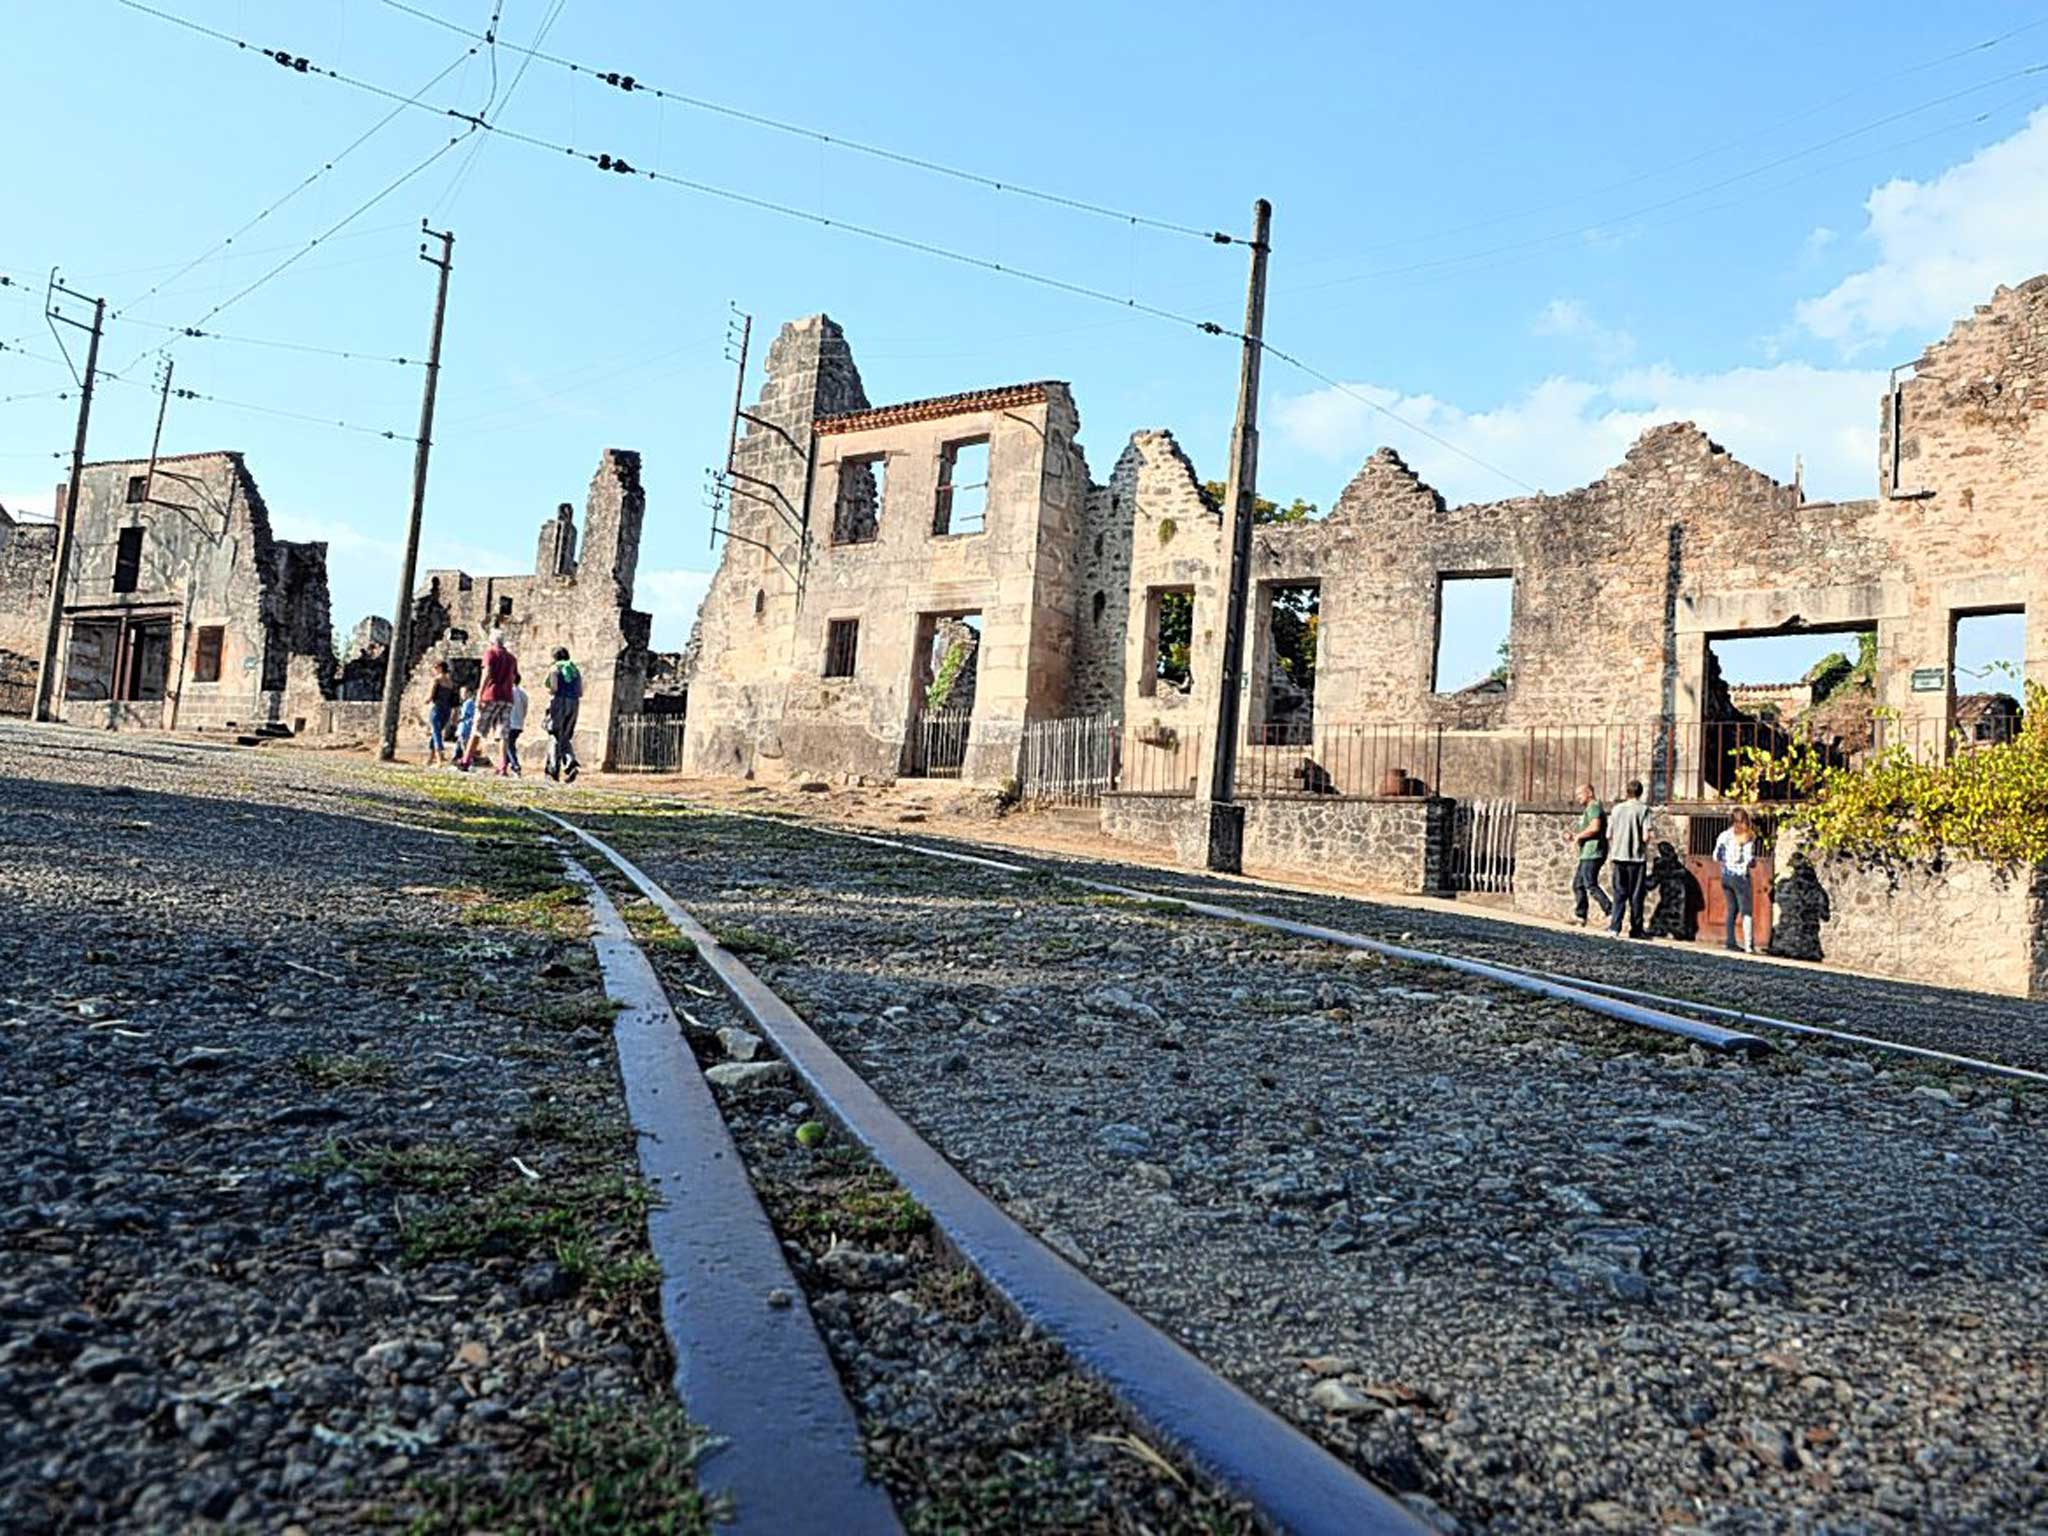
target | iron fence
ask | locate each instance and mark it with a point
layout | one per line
(1693, 761)
(1069, 762)
(937, 745)
(1158, 760)
(1483, 846)
(648, 744)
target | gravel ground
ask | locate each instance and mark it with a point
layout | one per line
(1540, 1272)
(317, 1198)
(972, 1423)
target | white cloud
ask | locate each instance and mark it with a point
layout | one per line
(1567, 431)
(1943, 245)
(672, 598)
(31, 505)
(1819, 238)
(1571, 319)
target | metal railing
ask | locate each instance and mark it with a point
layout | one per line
(648, 744)
(1069, 762)
(1158, 760)
(1545, 765)
(1483, 846)
(937, 745)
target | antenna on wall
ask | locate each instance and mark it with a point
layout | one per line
(721, 485)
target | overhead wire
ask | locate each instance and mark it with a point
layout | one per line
(605, 161)
(453, 190)
(634, 85)
(194, 333)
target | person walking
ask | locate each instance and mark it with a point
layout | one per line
(1735, 852)
(1591, 838)
(494, 697)
(514, 724)
(1628, 845)
(442, 701)
(465, 727)
(565, 697)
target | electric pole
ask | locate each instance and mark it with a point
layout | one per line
(1226, 815)
(67, 520)
(401, 617)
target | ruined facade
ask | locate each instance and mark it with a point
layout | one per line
(28, 551)
(580, 595)
(812, 652)
(821, 654)
(181, 609)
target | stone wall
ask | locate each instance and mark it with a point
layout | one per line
(1176, 825)
(1546, 859)
(1963, 924)
(207, 558)
(584, 603)
(1390, 845)
(27, 553)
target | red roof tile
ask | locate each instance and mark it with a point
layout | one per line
(936, 407)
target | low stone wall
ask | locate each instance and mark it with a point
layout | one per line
(1964, 924)
(1172, 824)
(1394, 845)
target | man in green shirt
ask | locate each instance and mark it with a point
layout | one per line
(1591, 838)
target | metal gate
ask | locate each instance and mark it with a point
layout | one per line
(938, 744)
(1483, 846)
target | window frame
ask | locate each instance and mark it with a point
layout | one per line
(202, 652)
(128, 560)
(943, 524)
(853, 460)
(841, 661)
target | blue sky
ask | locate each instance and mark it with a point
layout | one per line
(1531, 230)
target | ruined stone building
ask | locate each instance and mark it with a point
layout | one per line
(27, 552)
(851, 549)
(181, 609)
(579, 595)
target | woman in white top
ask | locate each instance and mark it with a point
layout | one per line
(1735, 852)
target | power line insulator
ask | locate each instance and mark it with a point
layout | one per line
(614, 163)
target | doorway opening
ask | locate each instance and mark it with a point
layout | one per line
(1987, 654)
(1291, 621)
(945, 675)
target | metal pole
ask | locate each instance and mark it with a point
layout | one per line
(67, 524)
(1226, 816)
(401, 618)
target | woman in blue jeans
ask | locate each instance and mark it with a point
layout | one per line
(1735, 852)
(441, 701)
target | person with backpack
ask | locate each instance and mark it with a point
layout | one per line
(565, 697)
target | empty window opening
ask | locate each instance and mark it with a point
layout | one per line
(1987, 660)
(963, 487)
(138, 489)
(1764, 691)
(857, 511)
(1474, 613)
(842, 643)
(1169, 640)
(760, 601)
(1293, 626)
(206, 648)
(1101, 602)
(128, 560)
(504, 607)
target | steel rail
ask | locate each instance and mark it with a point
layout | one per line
(750, 1364)
(1711, 1036)
(1792, 1026)
(1296, 1485)
(1499, 970)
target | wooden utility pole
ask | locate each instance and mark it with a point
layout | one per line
(67, 520)
(401, 616)
(1226, 815)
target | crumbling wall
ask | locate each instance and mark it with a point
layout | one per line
(743, 643)
(207, 559)
(1963, 497)
(587, 608)
(1176, 541)
(28, 551)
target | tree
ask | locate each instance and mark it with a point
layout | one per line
(1264, 511)
(1501, 667)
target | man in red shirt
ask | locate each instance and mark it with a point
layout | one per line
(494, 697)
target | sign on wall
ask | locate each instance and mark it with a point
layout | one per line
(1930, 679)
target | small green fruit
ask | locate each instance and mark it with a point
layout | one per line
(809, 1134)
